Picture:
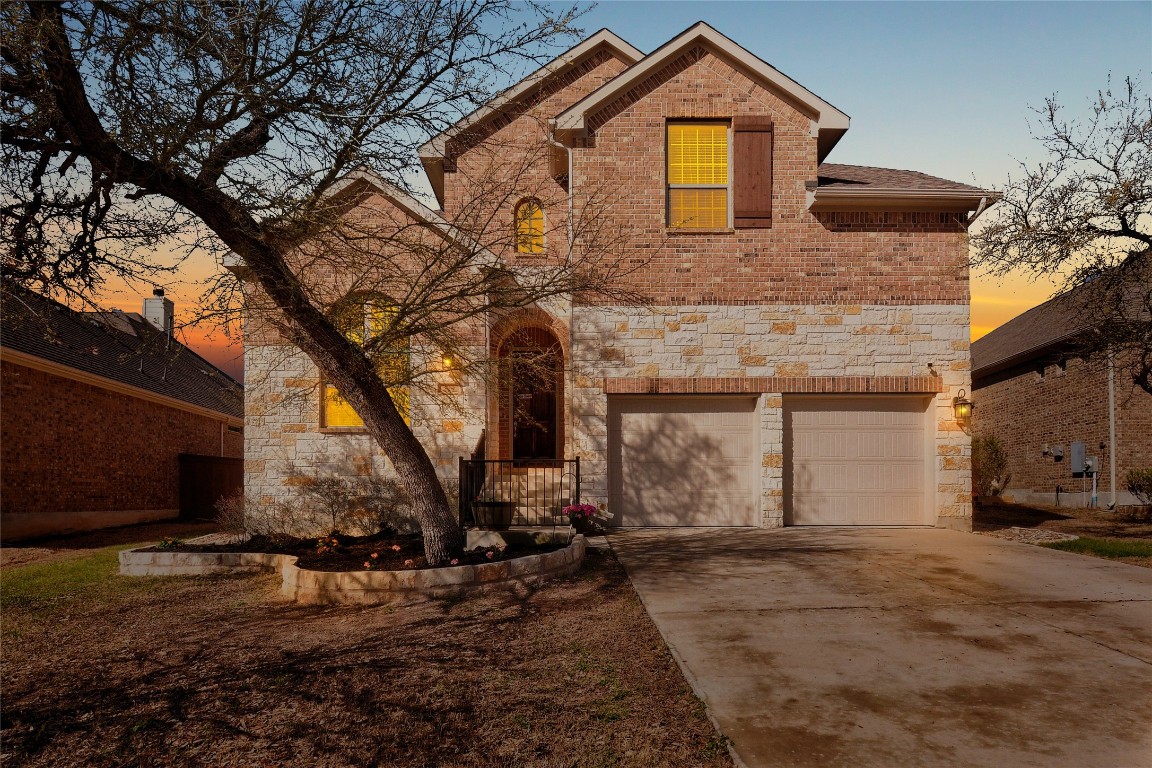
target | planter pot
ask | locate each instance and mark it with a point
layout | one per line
(494, 514)
(584, 526)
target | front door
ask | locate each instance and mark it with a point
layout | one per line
(535, 379)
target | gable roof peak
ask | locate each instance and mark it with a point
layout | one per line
(434, 151)
(828, 121)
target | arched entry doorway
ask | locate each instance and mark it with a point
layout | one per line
(532, 396)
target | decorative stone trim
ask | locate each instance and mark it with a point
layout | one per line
(780, 384)
(362, 587)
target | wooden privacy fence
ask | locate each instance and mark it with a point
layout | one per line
(206, 479)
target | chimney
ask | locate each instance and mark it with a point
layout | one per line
(160, 311)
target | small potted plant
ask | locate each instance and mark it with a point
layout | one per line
(582, 517)
(494, 514)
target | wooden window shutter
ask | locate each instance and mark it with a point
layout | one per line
(752, 171)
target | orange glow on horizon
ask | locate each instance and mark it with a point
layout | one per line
(996, 300)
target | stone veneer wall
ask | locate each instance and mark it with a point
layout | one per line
(863, 348)
(284, 439)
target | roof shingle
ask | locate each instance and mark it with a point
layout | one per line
(121, 346)
(837, 176)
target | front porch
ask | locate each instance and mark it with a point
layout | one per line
(505, 493)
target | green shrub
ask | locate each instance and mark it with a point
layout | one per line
(990, 474)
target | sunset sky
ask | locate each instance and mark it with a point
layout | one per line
(938, 87)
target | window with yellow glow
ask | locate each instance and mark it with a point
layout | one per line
(393, 366)
(698, 175)
(529, 226)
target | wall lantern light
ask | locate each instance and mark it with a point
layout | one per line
(962, 407)
(448, 362)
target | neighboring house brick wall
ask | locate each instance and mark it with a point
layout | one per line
(1026, 411)
(76, 456)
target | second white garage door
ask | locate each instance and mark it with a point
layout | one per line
(683, 461)
(856, 460)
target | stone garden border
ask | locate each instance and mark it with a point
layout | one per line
(362, 587)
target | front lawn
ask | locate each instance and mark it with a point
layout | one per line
(105, 670)
(1130, 551)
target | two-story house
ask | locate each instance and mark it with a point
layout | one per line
(804, 328)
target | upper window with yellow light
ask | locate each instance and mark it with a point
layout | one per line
(699, 175)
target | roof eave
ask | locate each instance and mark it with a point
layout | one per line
(1024, 356)
(889, 199)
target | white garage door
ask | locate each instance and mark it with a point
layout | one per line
(856, 460)
(683, 461)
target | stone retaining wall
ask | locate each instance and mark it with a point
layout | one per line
(362, 587)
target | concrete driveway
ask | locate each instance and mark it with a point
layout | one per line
(904, 647)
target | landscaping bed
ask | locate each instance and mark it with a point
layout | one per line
(381, 552)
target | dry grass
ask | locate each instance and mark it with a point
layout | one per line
(1099, 524)
(219, 671)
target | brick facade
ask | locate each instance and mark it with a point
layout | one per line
(1030, 407)
(77, 456)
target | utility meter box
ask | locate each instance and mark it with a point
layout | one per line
(1079, 460)
(1076, 458)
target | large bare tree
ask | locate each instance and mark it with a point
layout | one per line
(1083, 216)
(250, 127)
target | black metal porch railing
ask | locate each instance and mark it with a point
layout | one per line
(499, 493)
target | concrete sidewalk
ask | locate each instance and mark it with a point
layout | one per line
(904, 647)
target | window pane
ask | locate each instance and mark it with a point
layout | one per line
(393, 366)
(529, 227)
(698, 208)
(337, 411)
(697, 153)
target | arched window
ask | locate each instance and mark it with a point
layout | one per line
(529, 226)
(362, 321)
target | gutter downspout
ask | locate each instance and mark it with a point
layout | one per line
(1112, 426)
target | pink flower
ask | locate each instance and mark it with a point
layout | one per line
(375, 555)
(408, 562)
(491, 555)
(455, 562)
(395, 547)
(367, 565)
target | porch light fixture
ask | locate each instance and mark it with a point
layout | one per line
(962, 407)
(447, 362)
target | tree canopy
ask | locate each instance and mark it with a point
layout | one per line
(1083, 217)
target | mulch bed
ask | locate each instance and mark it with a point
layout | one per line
(382, 552)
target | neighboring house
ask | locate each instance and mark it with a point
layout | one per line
(1034, 391)
(807, 322)
(98, 408)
